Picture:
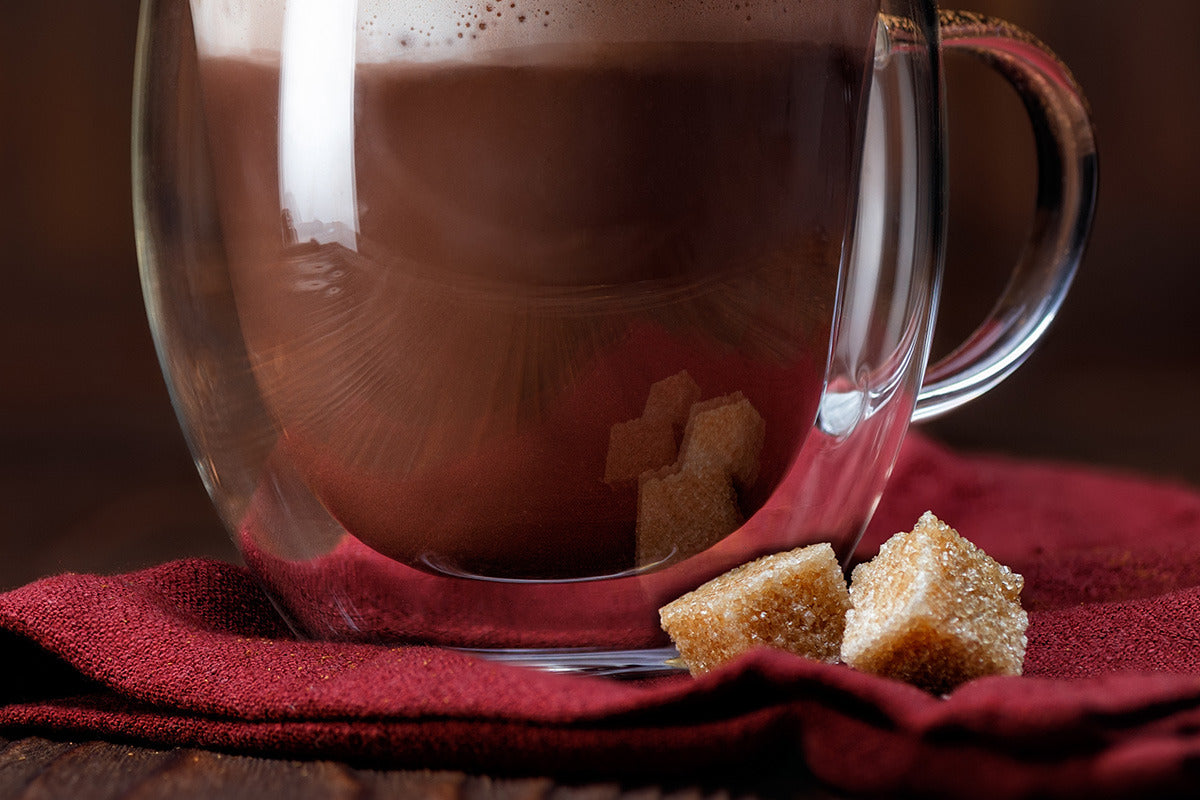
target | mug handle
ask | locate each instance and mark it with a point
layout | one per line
(1066, 196)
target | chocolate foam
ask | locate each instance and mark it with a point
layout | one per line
(423, 30)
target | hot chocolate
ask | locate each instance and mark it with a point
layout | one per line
(539, 236)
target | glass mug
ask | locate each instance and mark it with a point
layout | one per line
(498, 326)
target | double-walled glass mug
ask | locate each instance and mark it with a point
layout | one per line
(498, 325)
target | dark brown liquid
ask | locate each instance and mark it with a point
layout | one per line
(538, 241)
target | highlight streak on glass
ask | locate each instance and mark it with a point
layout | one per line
(316, 121)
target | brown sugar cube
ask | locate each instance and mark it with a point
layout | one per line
(672, 398)
(637, 446)
(683, 512)
(691, 506)
(652, 440)
(726, 435)
(934, 610)
(793, 601)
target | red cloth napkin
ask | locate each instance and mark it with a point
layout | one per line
(192, 653)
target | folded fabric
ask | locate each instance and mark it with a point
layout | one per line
(192, 653)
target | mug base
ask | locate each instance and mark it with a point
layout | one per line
(647, 663)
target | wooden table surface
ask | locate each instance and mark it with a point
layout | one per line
(37, 767)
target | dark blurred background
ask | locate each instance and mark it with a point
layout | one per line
(94, 475)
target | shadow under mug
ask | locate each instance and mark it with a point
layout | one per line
(499, 331)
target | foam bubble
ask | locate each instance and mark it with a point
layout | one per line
(387, 30)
